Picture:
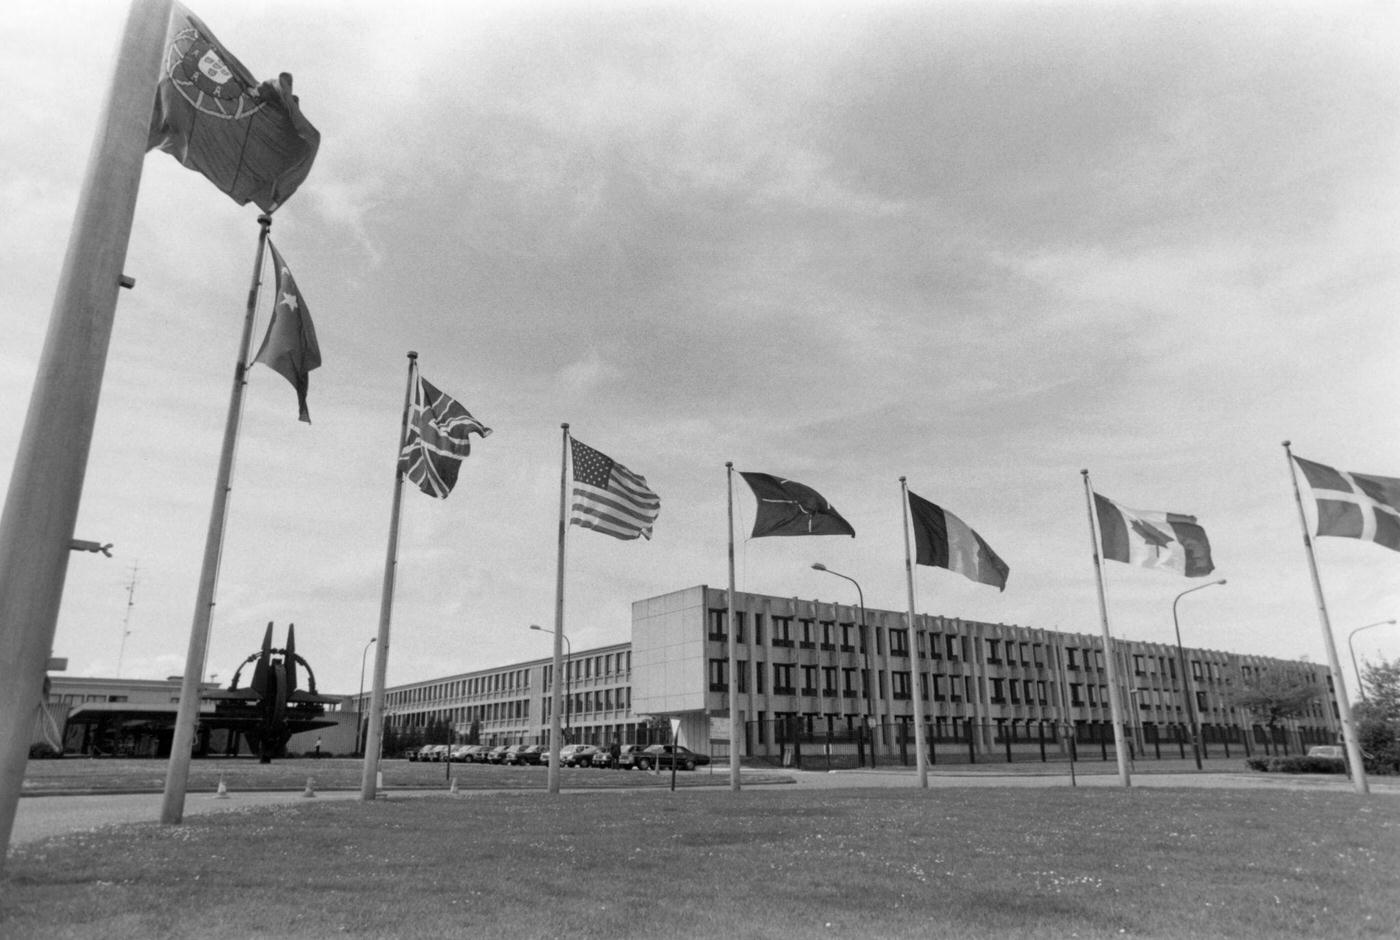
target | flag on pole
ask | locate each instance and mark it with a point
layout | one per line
(249, 139)
(1354, 505)
(290, 346)
(1153, 539)
(942, 540)
(438, 437)
(786, 507)
(609, 497)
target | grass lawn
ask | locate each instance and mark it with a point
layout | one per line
(766, 862)
(113, 775)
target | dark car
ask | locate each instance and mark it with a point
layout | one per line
(497, 754)
(522, 754)
(477, 754)
(664, 755)
(628, 755)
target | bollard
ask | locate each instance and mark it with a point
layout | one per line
(222, 792)
(309, 791)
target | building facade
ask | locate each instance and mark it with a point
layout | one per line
(836, 672)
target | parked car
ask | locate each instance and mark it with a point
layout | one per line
(627, 757)
(429, 752)
(1334, 751)
(663, 755)
(411, 753)
(577, 755)
(497, 754)
(476, 753)
(459, 752)
(522, 754)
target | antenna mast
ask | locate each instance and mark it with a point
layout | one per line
(126, 620)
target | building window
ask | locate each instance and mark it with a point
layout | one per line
(809, 680)
(899, 643)
(782, 631)
(829, 688)
(757, 629)
(848, 683)
(900, 684)
(1075, 698)
(952, 647)
(742, 667)
(760, 678)
(998, 693)
(782, 679)
(809, 636)
(717, 621)
(719, 671)
(846, 637)
(828, 635)
(994, 652)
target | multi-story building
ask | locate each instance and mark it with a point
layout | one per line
(817, 668)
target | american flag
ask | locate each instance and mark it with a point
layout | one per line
(609, 497)
(438, 429)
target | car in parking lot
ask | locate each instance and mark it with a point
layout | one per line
(522, 754)
(476, 753)
(628, 755)
(577, 755)
(432, 752)
(497, 754)
(665, 755)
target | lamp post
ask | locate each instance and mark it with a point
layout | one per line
(1186, 683)
(360, 703)
(1354, 668)
(568, 683)
(869, 676)
(1139, 736)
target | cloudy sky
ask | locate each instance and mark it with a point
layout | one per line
(983, 246)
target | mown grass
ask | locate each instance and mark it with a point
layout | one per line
(113, 775)
(766, 862)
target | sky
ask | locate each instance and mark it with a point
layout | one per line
(983, 246)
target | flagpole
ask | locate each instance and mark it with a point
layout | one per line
(1114, 700)
(557, 687)
(374, 731)
(734, 726)
(915, 636)
(1353, 745)
(46, 482)
(187, 717)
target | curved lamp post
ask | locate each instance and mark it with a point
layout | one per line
(360, 703)
(1359, 684)
(568, 667)
(1186, 682)
(869, 675)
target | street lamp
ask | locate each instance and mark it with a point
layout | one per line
(1186, 684)
(1140, 736)
(869, 676)
(568, 683)
(360, 703)
(1359, 684)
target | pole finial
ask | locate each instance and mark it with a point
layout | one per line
(564, 425)
(729, 465)
(412, 354)
(1287, 443)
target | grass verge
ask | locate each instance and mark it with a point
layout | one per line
(974, 863)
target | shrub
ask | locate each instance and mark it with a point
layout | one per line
(1299, 764)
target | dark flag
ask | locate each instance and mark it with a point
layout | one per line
(249, 139)
(290, 346)
(439, 430)
(610, 498)
(1355, 505)
(786, 507)
(942, 540)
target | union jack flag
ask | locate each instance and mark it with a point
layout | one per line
(439, 430)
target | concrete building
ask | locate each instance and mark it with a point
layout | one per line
(807, 668)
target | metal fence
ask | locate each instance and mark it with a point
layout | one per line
(789, 742)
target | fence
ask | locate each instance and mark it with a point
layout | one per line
(790, 742)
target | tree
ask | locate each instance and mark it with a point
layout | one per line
(1378, 716)
(1276, 695)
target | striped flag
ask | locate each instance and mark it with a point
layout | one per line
(609, 497)
(438, 438)
(1153, 539)
(942, 540)
(1355, 505)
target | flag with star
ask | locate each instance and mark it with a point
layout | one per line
(290, 347)
(610, 498)
(786, 507)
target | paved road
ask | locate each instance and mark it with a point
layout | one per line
(40, 817)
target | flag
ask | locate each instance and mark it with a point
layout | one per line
(290, 347)
(609, 497)
(249, 139)
(1355, 505)
(1153, 539)
(786, 507)
(942, 540)
(438, 437)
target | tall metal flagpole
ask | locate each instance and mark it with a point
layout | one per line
(41, 508)
(915, 637)
(1353, 746)
(1115, 704)
(369, 775)
(734, 726)
(557, 682)
(177, 772)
